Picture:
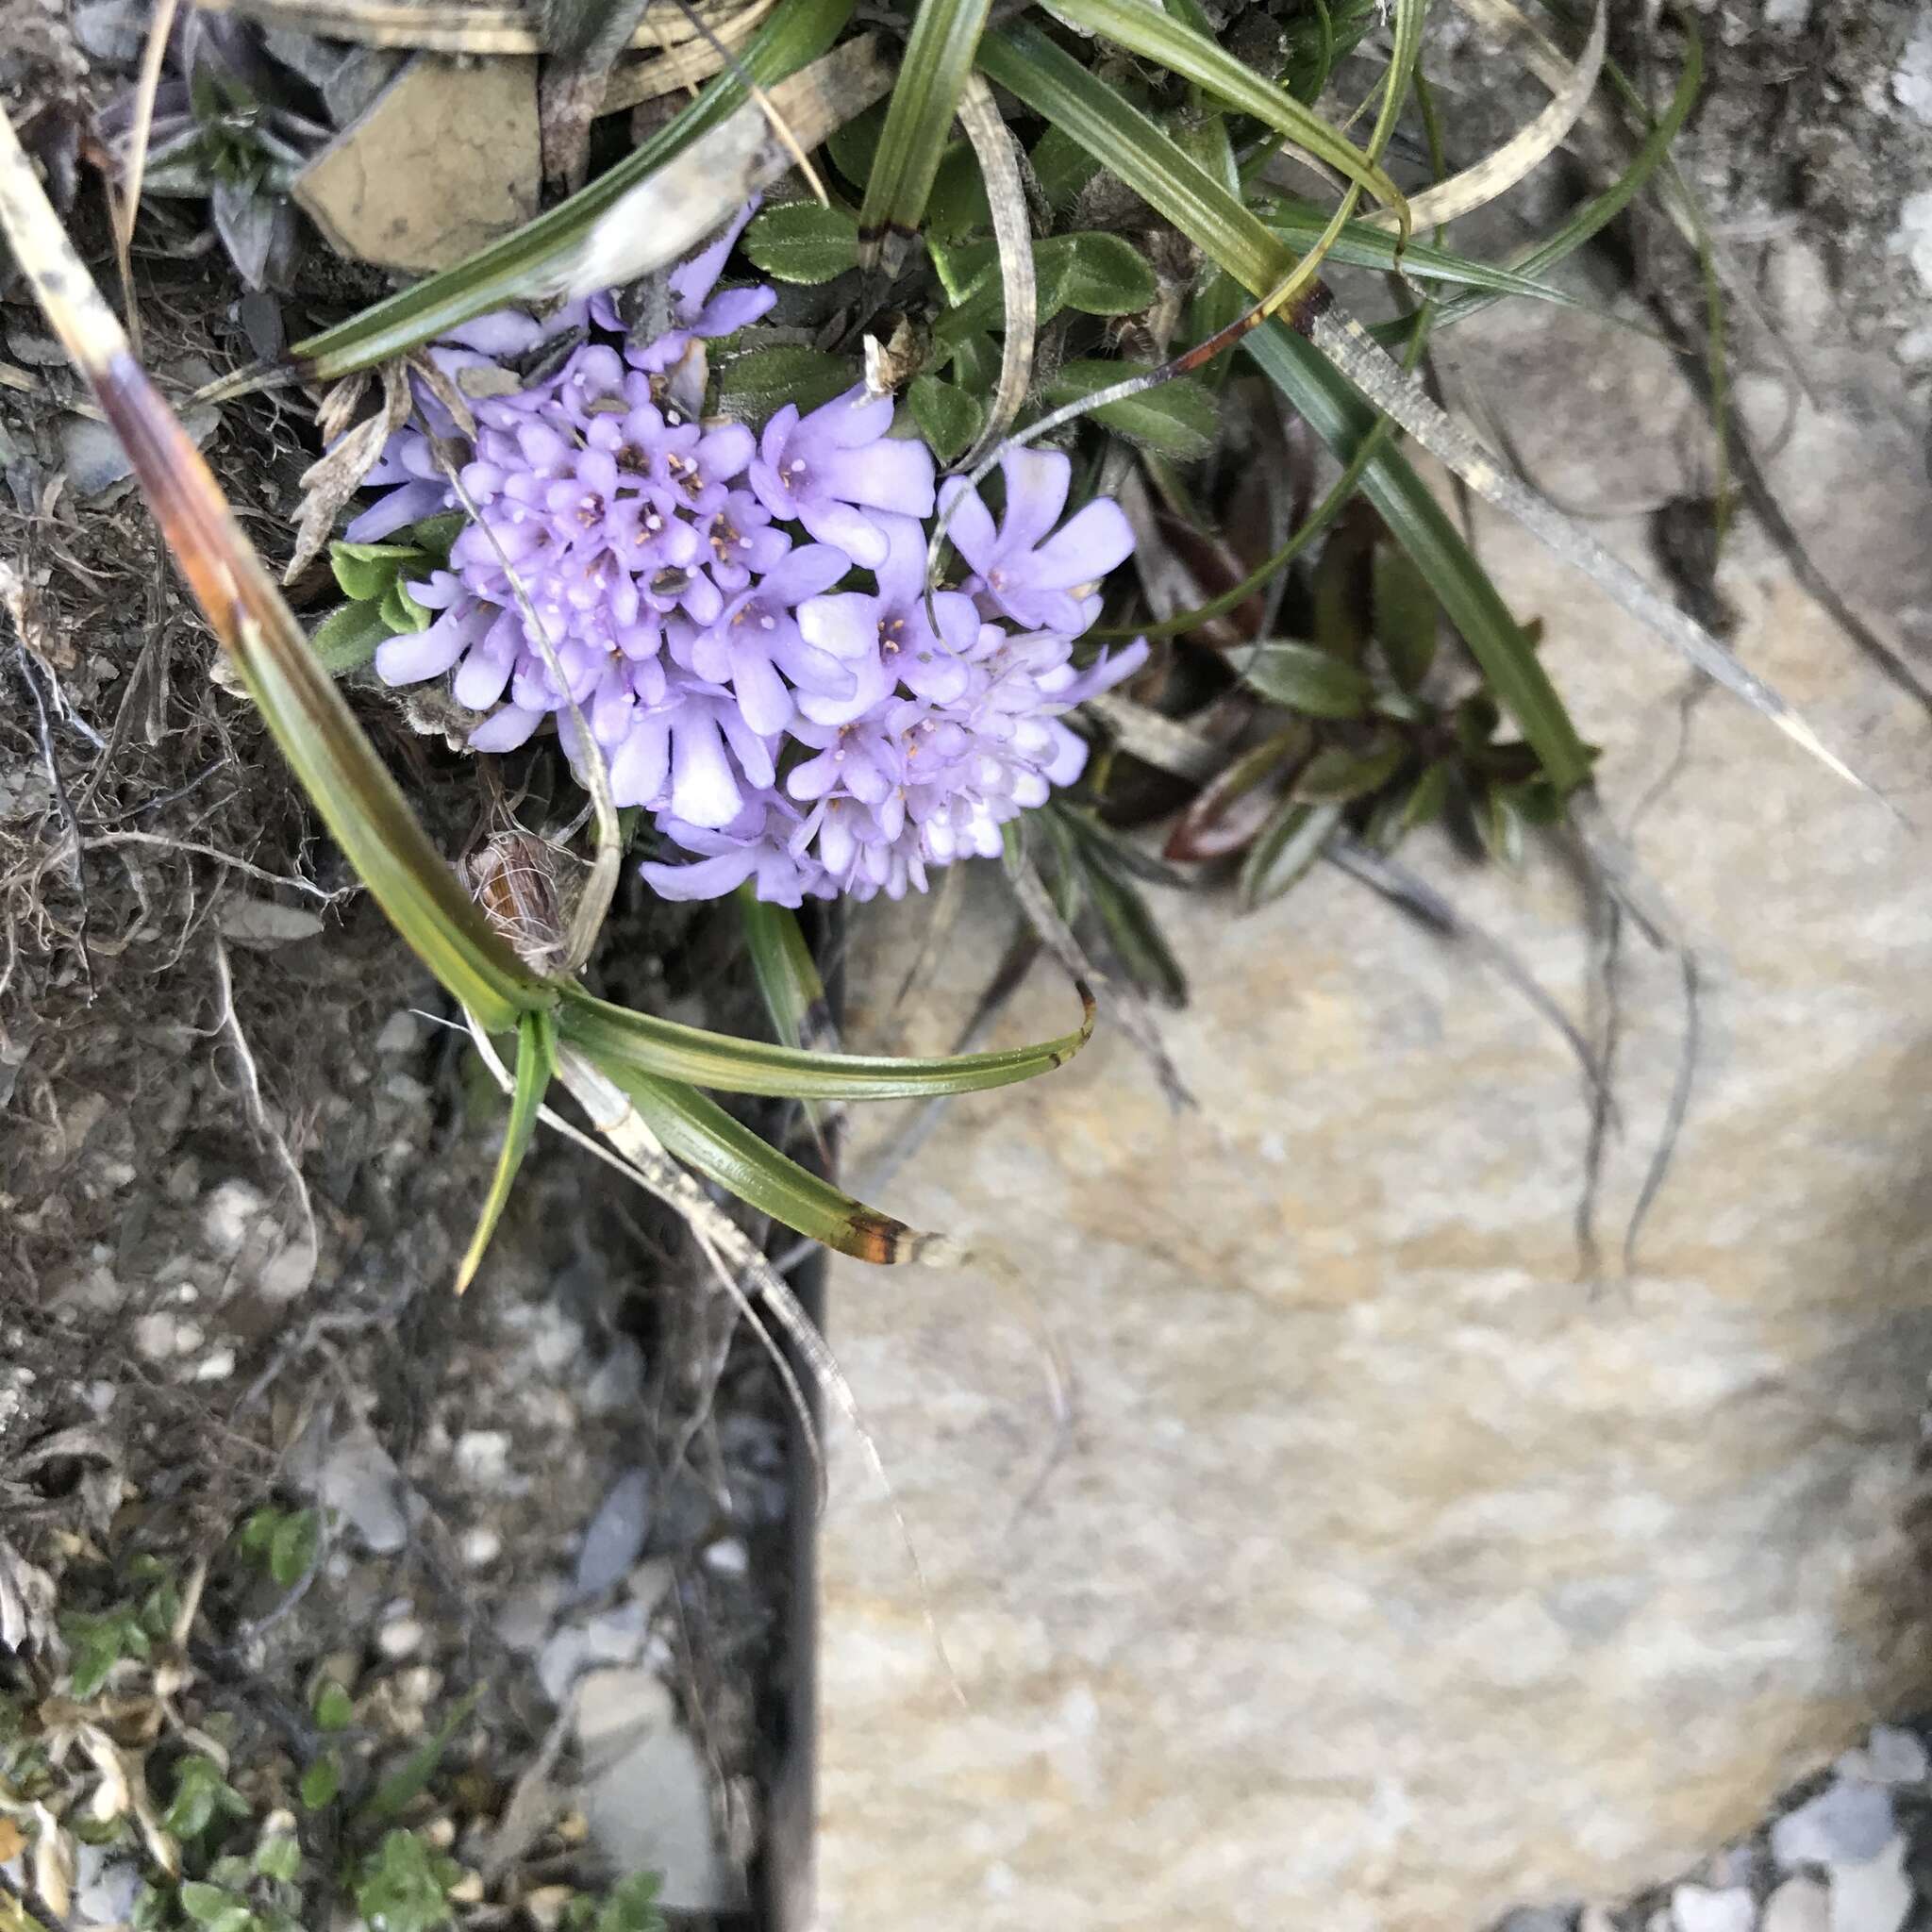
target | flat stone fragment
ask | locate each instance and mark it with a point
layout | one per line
(1847, 1822)
(1875, 1896)
(1698, 1909)
(442, 163)
(1799, 1905)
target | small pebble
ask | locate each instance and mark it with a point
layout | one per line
(481, 1548)
(216, 1366)
(729, 1558)
(1698, 1909)
(1874, 1895)
(402, 1639)
(1845, 1823)
(482, 1458)
(1799, 1905)
(400, 1033)
(1891, 1756)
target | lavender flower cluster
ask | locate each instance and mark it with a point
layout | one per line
(685, 576)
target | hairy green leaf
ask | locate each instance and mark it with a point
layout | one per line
(802, 241)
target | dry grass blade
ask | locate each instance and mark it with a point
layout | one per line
(998, 155)
(687, 199)
(127, 209)
(681, 62)
(333, 478)
(434, 25)
(1357, 354)
(1525, 151)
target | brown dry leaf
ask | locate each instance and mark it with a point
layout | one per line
(328, 485)
(12, 1840)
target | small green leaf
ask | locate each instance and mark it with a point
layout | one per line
(854, 145)
(365, 570)
(1177, 419)
(1062, 167)
(402, 612)
(803, 241)
(320, 1782)
(1406, 616)
(751, 387)
(1425, 804)
(957, 205)
(292, 1548)
(334, 1707)
(346, 639)
(947, 416)
(278, 1855)
(1313, 682)
(1110, 276)
(1136, 937)
(393, 1794)
(1289, 844)
(202, 1903)
(1337, 774)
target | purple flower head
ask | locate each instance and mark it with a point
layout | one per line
(665, 589)
(828, 468)
(1041, 581)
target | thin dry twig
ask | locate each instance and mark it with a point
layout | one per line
(127, 209)
(256, 1109)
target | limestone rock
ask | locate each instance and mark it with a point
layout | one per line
(1387, 1572)
(442, 163)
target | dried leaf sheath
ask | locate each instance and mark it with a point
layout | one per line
(363, 808)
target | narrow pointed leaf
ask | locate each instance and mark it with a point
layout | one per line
(535, 1060)
(919, 122)
(1179, 47)
(702, 1135)
(618, 1041)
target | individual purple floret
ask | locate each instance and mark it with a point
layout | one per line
(1042, 581)
(742, 624)
(829, 469)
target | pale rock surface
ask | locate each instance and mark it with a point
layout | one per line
(1874, 1896)
(1799, 1905)
(1389, 1574)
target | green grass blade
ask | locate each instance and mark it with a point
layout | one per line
(1359, 245)
(702, 1135)
(788, 977)
(1181, 49)
(1421, 525)
(919, 122)
(511, 269)
(623, 1042)
(536, 1062)
(1054, 85)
